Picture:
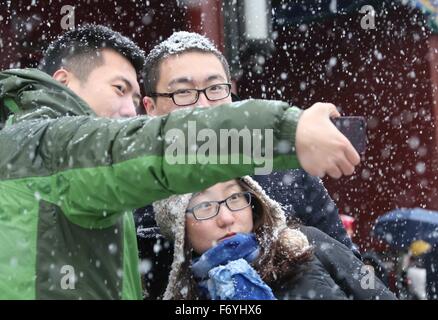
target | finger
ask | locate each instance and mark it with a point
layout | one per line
(348, 149)
(345, 166)
(314, 172)
(352, 155)
(333, 112)
(321, 174)
(314, 169)
(334, 172)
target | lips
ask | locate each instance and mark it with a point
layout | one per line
(228, 235)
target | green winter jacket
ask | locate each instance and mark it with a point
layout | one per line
(69, 181)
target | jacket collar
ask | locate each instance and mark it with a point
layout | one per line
(31, 94)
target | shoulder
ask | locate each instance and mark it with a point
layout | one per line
(326, 248)
(315, 235)
(311, 282)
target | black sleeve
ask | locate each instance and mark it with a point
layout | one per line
(311, 282)
(320, 209)
(350, 274)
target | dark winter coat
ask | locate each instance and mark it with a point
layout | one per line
(334, 273)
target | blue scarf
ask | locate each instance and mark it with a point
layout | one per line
(224, 272)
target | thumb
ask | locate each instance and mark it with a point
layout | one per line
(332, 111)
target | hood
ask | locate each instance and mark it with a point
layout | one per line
(170, 215)
(31, 93)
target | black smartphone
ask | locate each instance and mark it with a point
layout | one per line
(354, 128)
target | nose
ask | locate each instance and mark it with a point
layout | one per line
(225, 217)
(203, 101)
(128, 109)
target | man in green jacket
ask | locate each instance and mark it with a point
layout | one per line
(72, 168)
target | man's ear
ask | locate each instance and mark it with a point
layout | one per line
(149, 106)
(62, 76)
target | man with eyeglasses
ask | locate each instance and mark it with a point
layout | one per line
(187, 70)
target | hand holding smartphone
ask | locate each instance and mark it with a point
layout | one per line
(354, 128)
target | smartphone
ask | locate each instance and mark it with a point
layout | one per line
(354, 128)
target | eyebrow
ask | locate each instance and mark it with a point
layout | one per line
(129, 85)
(232, 184)
(216, 77)
(189, 80)
(180, 80)
(229, 185)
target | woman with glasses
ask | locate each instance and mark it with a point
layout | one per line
(231, 241)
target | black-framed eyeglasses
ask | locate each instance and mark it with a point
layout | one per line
(186, 97)
(209, 209)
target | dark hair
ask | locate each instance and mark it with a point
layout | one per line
(178, 43)
(79, 50)
(280, 261)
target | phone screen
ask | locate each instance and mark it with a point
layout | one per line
(354, 128)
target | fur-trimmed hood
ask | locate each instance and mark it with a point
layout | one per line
(170, 216)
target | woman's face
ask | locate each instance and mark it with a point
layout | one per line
(203, 234)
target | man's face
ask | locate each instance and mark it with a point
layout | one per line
(111, 89)
(191, 70)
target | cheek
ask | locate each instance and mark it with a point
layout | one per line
(171, 107)
(200, 235)
(104, 95)
(223, 101)
(164, 108)
(101, 105)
